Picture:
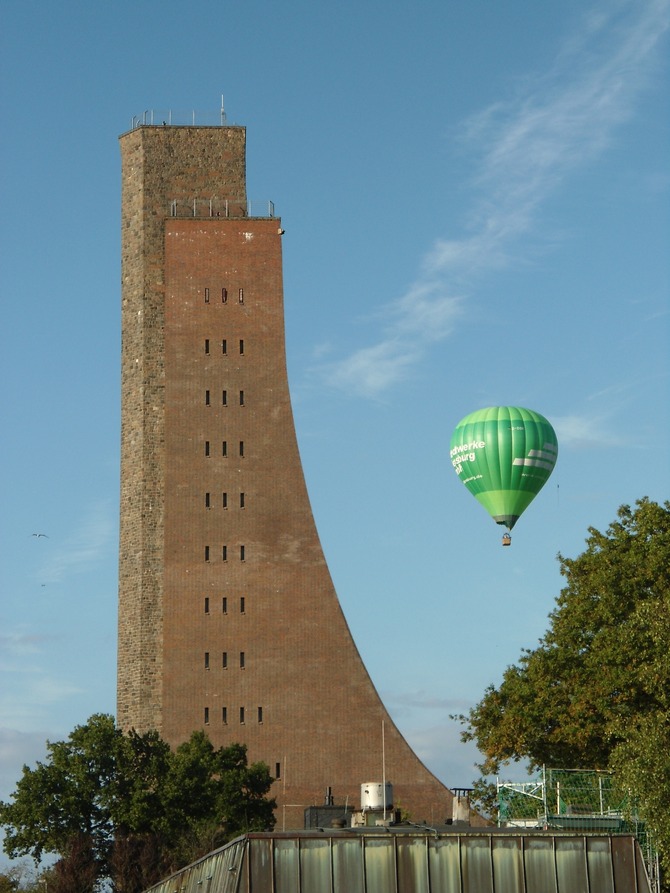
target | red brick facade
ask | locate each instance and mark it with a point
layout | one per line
(228, 619)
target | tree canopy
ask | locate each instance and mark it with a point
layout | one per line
(595, 693)
(124, 806)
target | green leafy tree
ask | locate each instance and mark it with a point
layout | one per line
(65, 796)
(595, 693)
(126, 807)
(212, 796)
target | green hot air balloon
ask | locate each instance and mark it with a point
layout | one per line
(504, 456)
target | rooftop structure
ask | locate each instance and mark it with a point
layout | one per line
(404, 860)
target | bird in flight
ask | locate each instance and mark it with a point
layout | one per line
(41, 534)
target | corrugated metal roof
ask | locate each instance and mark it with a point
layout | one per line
(401, 861)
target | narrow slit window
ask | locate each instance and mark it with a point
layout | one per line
(242, 660)
(207, 345)
(206, 605)
(206, 716)
(242, 553)
(242, 449)
(206, 553)
(224, 660)
(224, 347)
(241, 500)
(224, 448)
(242, 716)
(260, 714)
(224, 605)
(207, 398)
(206, 296)
(224, 553)
(242, 605)
(241, 347)
(224, 715)
(277, 770)
(207, 501)
(224, 500)
(207, 448)
(240, 296)
(241, 398)
(224, 398)
(207, 660)
(224, 295)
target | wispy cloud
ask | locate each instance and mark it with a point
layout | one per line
(25, 680)
(433, 735)
(584, 432)
(425, 314)
(18, 644)
(82, 549)
(423, 701)
(524, 148)
(28, 694)
(441, 749)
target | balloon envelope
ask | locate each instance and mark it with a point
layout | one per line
(504, 456)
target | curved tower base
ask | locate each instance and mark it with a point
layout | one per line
(228, 618)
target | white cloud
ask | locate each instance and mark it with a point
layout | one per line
(425, 311)
(440, 748)
(18, 644)
(371, 370)
(82, 549)
(31, 691)
(28, 687)
(422, 316)
(421, 700)
(565, 121)
(584, 432)
(560, 121)
(425, 722)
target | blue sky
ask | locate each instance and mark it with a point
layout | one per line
(475, 199)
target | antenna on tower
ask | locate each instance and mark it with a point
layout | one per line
(223, 112)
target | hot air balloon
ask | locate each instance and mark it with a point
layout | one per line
(504, 456)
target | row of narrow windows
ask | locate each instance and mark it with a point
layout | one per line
(243, 714)
(224, 346)
(224, 604)
(211, 294)
(224, 553)
(224, 660)
(224, 500)
(224, 398)
(224, 449)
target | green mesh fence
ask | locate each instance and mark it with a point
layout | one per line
(578, 800)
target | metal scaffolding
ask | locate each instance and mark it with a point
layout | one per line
(579, 800)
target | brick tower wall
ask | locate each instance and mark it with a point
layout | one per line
(157, 162)
(228, 618)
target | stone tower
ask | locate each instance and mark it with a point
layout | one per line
(228, 618)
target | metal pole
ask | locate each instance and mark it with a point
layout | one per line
(384, 769)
